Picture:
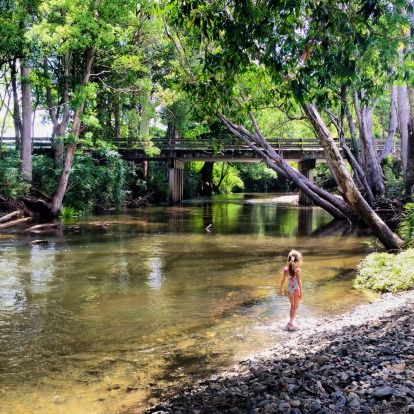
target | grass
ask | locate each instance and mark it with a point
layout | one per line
(385, 272)
(68, 212)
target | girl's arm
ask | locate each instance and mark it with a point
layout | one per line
(299, 283)
(282, 281)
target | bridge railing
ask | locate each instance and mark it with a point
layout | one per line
(211, 144)
(220, 144)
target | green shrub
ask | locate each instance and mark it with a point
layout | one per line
(406, 227)
(385, 272)
(45, 174)
(257, 177)
(158, 180)
(96, 181)
(324, 177)
(11, 185)
(394, 180)
(68, 213)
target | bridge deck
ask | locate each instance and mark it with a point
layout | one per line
(219, 149)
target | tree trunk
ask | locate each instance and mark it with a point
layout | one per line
(332, 204)
(117, 117)
(351, 126)
(359, 172)
(347, 186)
(144, 131)
(60, 123)
(26, 137)
(58, 144)
(392, 126)
(403, 120)
(409, 180)
(57, 199)
(372, 166)
(206, 173)
(369, 157)
(223, 174)
(16, 107)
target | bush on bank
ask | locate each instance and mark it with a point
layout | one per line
(386, 272)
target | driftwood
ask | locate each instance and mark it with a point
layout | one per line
(38, 228)
(9, 216)
(14, 222)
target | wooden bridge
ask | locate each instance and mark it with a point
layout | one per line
(204, 149)
(305, 151)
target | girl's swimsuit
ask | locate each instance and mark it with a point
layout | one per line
(293, 285)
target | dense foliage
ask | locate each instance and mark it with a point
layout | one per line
(386, 272)
(406, 227)
(11, 185)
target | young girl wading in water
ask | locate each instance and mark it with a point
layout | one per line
(295, 295)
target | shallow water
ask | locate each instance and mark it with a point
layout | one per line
(123, 308)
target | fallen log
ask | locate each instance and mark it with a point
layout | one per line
(14, 222)
(43, 227)
(9, 216)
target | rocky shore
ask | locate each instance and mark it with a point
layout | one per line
(360, 362)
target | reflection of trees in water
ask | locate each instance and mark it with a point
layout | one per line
(242, 218)
(236, 217)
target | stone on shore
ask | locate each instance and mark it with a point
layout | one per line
(362, 362)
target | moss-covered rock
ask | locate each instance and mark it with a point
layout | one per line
(385, 272)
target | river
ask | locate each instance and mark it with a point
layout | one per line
(117, 310)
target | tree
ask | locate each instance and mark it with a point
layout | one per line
(73, 36)
(306, 51)
(17, 17)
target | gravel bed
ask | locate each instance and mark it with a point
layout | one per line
(359, 362)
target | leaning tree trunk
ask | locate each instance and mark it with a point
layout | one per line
(358, 171)
(330, 203)
(26, 137)
(57, 199)
(347, 186)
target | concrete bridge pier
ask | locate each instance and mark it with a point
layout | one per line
(305, 168)
(176, 180)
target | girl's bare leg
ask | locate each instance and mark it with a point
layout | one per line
(292, 305)
(294, 311)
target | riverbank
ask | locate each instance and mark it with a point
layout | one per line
(359, 362)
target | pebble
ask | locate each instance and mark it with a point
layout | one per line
(354, 403)
(383, 392)
(315, 406)
(355, 363)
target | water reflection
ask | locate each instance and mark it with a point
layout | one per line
(96, 318)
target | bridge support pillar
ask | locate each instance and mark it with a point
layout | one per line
(305, 168)
(176, 180)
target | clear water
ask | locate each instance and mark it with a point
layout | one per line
(124, 308)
